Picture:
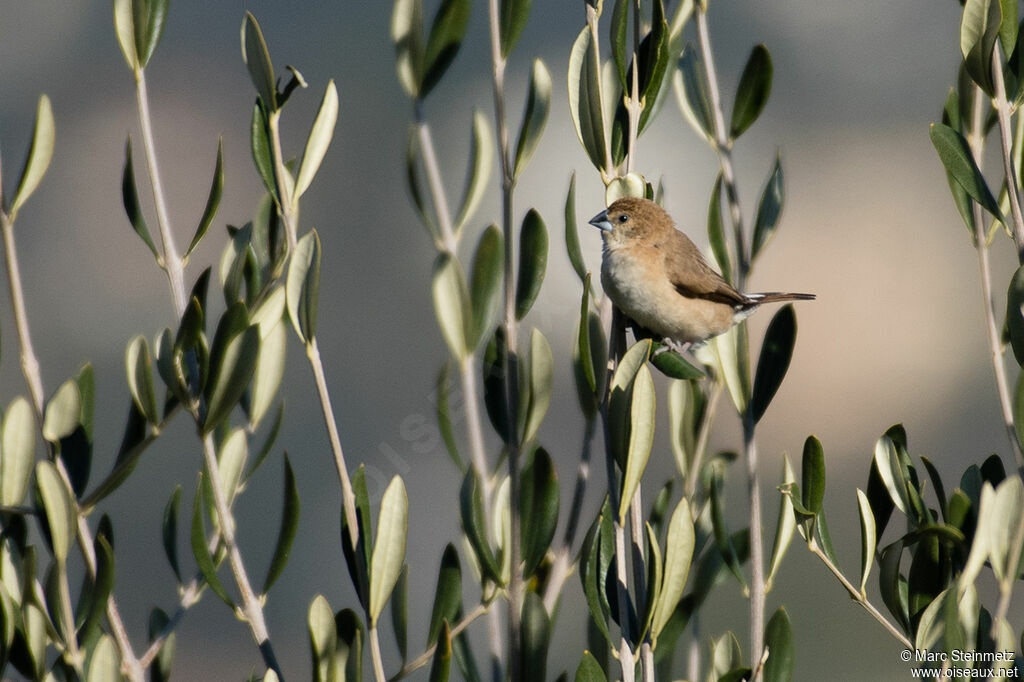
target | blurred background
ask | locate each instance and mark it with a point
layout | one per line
(897, 333)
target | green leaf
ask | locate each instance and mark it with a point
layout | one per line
(654, 56)
(778, 639)
(266, 378)
(956, 157)
(589, 670)
(59, 504)
(39, 154)
(130, 198)
(488, 266)
(232, 455)
(125, 29)
(63, 412)
(813, 475)
(541, 379)
(723, 540)
(481, 158)
(104, 664)
(572, 236)
(716, 232)
(412, 180)
(138, 364)
(619, 29)
(446, 34)
(769, 209)
(585, 99)
(1015, 314)
(289, 526)
(472, 513)
(259, 144)
(388, 547)
(679, 543)
(323, 638)
(533, 261)
(18, 444)
(752, 92)
(776, 353)
(357, 557)
(257, 60)
(200, 551)
(148, 20)
(536, 636)
(452, 305)
(442, 661)
(538, 103)
(785, 527)
(539, 499)
(641, 436)
(160, 671)
(620, 400)
(730, 353)
(231, 376)
(212, 201)
(407, 35)
(675, 366)
(868, 541)
(447, 595)
(318, 141)
(979, 30)
(512, 20)
(583, 354)
(691, 89)
(302, 288)
(444, 420)
(170, 531)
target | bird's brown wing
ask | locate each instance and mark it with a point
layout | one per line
(692, 276)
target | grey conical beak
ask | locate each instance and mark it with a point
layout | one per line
(601, 222)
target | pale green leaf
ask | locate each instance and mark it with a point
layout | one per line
(388, 547)
(59, 503)
(538, 104)
(302, 287)
(39, 155)
(318, 141)
(63, 412)
(641, 436)
(18, 451)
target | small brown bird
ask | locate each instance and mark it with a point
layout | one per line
(658, 277)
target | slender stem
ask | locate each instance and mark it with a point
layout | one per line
(171, 260)
(29, 362)
(378, 663)
(515, 586)
(858, 597)
(33, 378)
(425, 657)
(73, 654)
(701, 446)
(638, 541)
(347, 495)
(995, 342)
(627, 661)
(444, 219)
(563, 556)
(251, 607)
(724, 147)
(757, 587)
(1006, 137)
(189, 596)
(289, 212)
(693, 650)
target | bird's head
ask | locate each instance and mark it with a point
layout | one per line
(629, 219)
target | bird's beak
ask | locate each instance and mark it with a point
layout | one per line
(601, 222)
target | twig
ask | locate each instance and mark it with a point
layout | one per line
(515, 586)
(288, 211)
(1006, 138)
(348, 497)
(858, 597)
(995, 342)
(701, 446)
(427, 655)
(33, 378)
(757, 588)
(171, 261)
(251, 607)
(378, 663)
(724, 147)
(444, 218)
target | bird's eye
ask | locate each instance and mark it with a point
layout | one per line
(623, 218)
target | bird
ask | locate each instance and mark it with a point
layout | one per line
(658, 278)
